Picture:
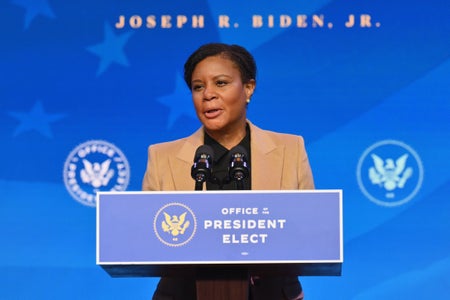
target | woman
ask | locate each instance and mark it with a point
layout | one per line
(222, 79)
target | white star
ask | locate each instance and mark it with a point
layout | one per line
(179, 102)
(36, 120)
(111, 50)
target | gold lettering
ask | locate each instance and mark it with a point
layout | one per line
(181, 20)
(351, 21)
(270, 21)
(151, 21)
(121, 23)
(165, 21)
(285, 21)
(135, 22)
(257, 21)
(224, 21)
(317, 21)
(301, 21)
(198, 21)
(365, 21)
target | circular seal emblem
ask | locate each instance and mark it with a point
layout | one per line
(389, 173)
(175, 224)
(95, 166)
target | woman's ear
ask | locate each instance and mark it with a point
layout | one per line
(250, 87)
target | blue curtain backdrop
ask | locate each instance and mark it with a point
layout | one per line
(83, 94)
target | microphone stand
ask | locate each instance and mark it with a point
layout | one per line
(239, 180)
(199, 179)
(199, 186)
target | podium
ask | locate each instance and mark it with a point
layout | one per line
(220, 238)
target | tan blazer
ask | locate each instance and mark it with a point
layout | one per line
(279, 162)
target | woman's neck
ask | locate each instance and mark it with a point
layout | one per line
(229, 139)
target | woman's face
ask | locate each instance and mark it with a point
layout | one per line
(219, 96)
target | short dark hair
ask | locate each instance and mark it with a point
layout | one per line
(237, 54)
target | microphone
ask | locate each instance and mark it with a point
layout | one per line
(238, 169)
(201, 169)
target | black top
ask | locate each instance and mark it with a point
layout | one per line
(219, 178)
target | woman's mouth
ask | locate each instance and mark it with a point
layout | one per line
(212, 113)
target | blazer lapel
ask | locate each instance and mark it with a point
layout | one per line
(267, 157)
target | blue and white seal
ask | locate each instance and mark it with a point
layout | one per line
(390, 173)
(95, 166)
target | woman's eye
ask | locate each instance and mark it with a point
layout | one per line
(197, 87)
(221, 83)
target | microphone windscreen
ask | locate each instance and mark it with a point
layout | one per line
(238, 149)
(204, 149)
(238, 168)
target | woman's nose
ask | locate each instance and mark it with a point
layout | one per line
(209, 93)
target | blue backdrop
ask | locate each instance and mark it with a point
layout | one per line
(82, 96)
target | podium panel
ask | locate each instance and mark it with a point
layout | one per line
(195, 233)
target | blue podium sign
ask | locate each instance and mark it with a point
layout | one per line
(157, 233)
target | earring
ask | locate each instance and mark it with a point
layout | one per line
(248, 100)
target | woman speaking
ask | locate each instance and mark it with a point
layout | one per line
(222, 79)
